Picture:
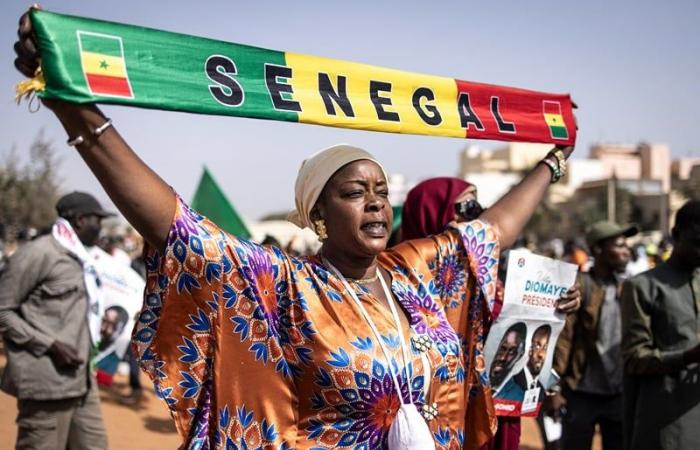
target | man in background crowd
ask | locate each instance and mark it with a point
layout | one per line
(587, 355)
(48, 310)
(661, 345)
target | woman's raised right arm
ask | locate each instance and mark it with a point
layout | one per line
(145, 200)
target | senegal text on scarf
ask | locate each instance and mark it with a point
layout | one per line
(86, 60)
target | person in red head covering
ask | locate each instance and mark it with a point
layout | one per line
(430, 206)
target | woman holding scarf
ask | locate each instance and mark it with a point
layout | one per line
(353, 347)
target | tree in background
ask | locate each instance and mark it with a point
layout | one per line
(581, 214)
(545, 223)
(573, 218)
(28, 190)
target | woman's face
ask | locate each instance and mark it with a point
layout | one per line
(355, 207)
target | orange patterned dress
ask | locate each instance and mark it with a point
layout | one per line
(254, 349)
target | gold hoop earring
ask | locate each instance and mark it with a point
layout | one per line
(320, 228)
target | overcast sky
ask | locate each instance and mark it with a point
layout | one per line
(632, 66)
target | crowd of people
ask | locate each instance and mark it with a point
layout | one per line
(590, 353)
(592, 375)
(360, 345)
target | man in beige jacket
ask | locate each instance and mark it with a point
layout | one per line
(44, 324)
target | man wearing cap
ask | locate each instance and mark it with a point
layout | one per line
(50, 313)
(661, 345)
(587, 354)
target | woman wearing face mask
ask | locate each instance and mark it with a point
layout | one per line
(430, 206)
(354, 347)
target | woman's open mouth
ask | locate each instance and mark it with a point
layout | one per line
(375, 229)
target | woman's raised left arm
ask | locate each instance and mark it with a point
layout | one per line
(514, 209)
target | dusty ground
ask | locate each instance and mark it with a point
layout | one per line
(148, 426)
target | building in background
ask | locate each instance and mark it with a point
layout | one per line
(495, 171)
(681, 169)
(635, 162)
(636, 183)
(685, 176)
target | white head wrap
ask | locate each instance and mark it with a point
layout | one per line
(314, 173)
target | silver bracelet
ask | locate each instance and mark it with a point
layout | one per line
(97, 132)
(101, 129)
(75, 142)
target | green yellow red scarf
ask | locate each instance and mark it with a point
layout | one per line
(86, 61)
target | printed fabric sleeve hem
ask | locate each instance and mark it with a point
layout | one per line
(174, 334)
(481, 243)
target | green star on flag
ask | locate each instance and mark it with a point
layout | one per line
(554, 119)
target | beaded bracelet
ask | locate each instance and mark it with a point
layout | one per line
(553, 167)
(561, 160)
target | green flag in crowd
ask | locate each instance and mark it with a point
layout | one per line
(398, 210)
(209, 200)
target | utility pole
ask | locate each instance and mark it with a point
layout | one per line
(612, 190)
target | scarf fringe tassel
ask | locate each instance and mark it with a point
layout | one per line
(25, 89)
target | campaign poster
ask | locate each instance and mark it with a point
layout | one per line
(122, 292)
(520, 345)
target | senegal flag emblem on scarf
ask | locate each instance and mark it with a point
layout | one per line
(93, 61)
(102, 59)
(554, 119)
